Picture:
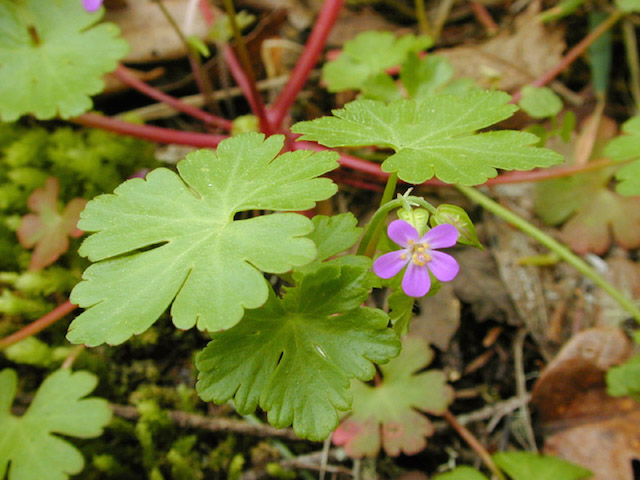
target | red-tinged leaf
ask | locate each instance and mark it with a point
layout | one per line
(47, 230)
(388, 415)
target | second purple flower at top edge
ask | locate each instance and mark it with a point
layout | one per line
(420, 255)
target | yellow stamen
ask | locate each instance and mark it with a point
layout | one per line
(403, 256)
(410, 242)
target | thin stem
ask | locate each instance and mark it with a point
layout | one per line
(312, 49)
(631, 47)
(484, 17)
(387, 196)
(559, 249)
(573, 54)
(148, 132)
(423, 20)
(473, 442)
(35, 327)
(249, 76)
(123, 74)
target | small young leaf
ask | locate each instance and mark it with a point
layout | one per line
(333, 235)
(627, 147)
(381, 87)
(457, 217)
(531, 466)
(462, 473)
(294, 357)
(434, 136)
(400, 311)
(424, 77)
(386, 414)
(53, 57)
(628, 5)
(540, 102)
(624, 379)
(199, 254)
(28, 447)
(47, 229)
(367, 55)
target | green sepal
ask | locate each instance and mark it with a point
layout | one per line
(456, 216)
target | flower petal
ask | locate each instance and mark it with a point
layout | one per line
(442, 236)
(389, 264)
(443, 266)
(91, 5)
(416, 281)
(401, 231)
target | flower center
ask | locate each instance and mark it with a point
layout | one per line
(418, 255)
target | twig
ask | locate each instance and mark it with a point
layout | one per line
(212, 424)
(148, 132)
(312, 49)
(423, 20)
(123, 74)
(475, 445)
(521, 386)
(49, 319)
(631, 47)
(573, 54)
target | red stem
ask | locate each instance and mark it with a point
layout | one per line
(484, 17)
(35, 327)
(312, 50)
(248, 88)
(573, 54)
(148, 132)
(124, 75)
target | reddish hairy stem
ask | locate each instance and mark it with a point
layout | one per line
(124, 75)
(35, 327)
(484, 17)
(148, 132)
(312, 50)
(573, 54)
(248, 88)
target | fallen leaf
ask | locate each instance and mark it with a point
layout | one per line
(511, 59)
(439, 318)
(47, 229)
(585, 425)
(150, 35)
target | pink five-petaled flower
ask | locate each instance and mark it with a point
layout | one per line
(420, 256)
(91, 5)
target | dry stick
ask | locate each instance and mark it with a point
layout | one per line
(473, 442)
(521, 386)
(573, 54)
(124, 75)
(423, 20)
(245, 70)
(50, 318)
(148, 132)
(312, 49)
(213, 424)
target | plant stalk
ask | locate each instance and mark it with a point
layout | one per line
(35, 327)
(559, 249)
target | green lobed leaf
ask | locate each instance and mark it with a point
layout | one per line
(625, 379)
(540, 102)
(53, 57)
(367, 55)
(424, 77)
(386, 414)
(174, 237)
(462, 473)
(294, 357)
(400, 311)
(531, 466)
(333, 235)
(434, 136)
(627, 147)
(628, 5)
(28, 448)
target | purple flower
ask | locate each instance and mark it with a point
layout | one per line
(420, 256)
(91, 5)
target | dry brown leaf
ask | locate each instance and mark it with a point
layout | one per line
(149, 33)
(584, 424)
(511, 59)
(439, 318)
